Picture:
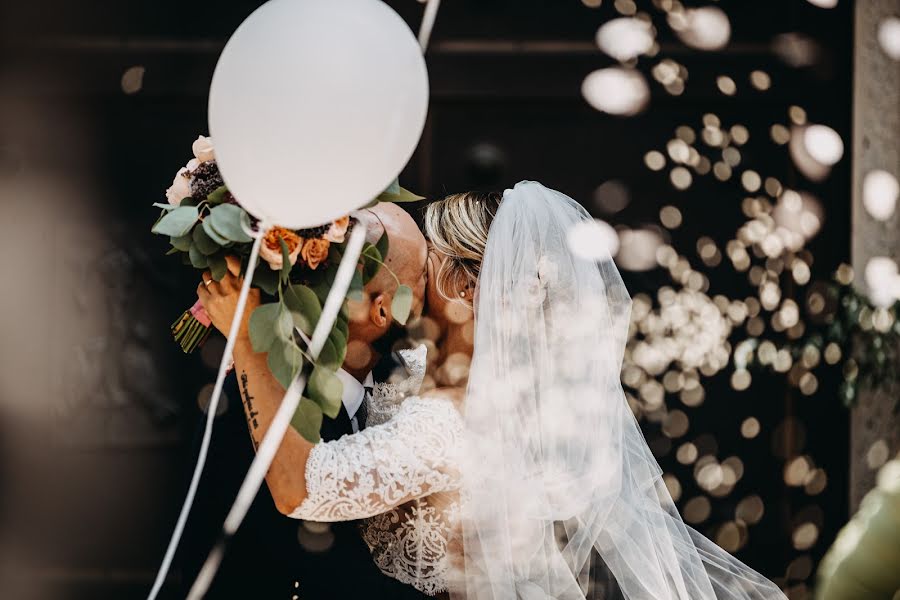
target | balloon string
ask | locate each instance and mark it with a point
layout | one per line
(210, 414)
(431, 10)
(275, 434)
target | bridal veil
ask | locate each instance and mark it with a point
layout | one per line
(562, 497)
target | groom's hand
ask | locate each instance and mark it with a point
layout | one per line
(220, 298)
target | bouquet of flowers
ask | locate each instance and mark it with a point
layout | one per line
(205, 222)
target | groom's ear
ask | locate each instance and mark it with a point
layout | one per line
(379, 312)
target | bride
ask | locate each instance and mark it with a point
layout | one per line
(538, 483)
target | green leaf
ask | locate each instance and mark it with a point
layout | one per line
(394, 188)
(339, 339)
(371, 262)
(304, 306)
(213, 234)
(217, 266)
(286, 261)
(326, 390)
(204, 243)
(383, 245)
(182, 243)
(402, 304)
(330, 357)
(308, 420)
(178, 222)
(198, 259)
(355, 291)
(217, 196)
(266, 279)
(230, 220)
(263, 326)
(165, 206)
(403, 195)
(284, 360)
(342, 324)
(173, 251)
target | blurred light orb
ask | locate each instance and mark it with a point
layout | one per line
(823, 144)
(638, 249)
(133, 80)
(796, 49)
(706, 28)
(806, 163)
(889, 37)
(611, 196)
(797, 213)
(625, 38)
(880, 194)
(882, 280)
(823, 3)
(616, 91)
(593, 240)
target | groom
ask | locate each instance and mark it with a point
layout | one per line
(273, 556)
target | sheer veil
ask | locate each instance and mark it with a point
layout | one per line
(562, 498)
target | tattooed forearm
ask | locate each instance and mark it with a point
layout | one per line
(252, 422)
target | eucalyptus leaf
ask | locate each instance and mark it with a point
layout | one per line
(394, 188)
(400, 197)
(217, 196)
(204, 243)
(355, 291)
(383, 246)
(284, 325)
(326, 390)
(217, 266)
(198, 259)
(286, 261)
(304, 306)
(342, 324)
(266, 279)
(213, 234)
(178, 222)
(165, 206)
(182, 243)
(330, 357)
(230, 220)
(263, 326)
(339, 340)
(173, 251)
(402, 304)
(308, 420)
(284, 360)
(371, 262)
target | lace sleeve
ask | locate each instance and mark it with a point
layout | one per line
(384, 466)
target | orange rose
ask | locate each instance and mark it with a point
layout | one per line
(270, 250)
(338, 230)
(314, 251)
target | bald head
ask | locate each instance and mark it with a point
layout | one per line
(371, 317)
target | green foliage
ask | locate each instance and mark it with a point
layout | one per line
(402, 304)
(266, 279)
(182, 243)
(263, 326)
(177, 222)
(230, 222)
(213, 234)
(308, 420)
(217, 196)
(372, 261)
(217, 265)
(285, 360)
(198, 259)
(304, 306)
(326, 390)
(205, 244)
(395, 193)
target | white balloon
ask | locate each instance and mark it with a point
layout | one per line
(316, 106)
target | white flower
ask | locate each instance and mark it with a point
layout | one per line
(180, 188)
(203, 149)
(192, 165)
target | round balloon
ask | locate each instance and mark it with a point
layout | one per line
(315, 107)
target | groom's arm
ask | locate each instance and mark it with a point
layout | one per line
(261, 393)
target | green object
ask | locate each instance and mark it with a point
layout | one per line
(401, 305)
(178, 222)
(308, 420)
(230, 221)
(326, 390)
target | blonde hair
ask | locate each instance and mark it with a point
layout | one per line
(458, 226)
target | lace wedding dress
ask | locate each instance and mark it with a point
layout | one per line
(400, 474)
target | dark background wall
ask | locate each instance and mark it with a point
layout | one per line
(99, 102)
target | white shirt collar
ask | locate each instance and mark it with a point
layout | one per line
(354, 391)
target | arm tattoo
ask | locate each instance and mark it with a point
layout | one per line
(252, 423)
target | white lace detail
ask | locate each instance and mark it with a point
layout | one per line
(402, 477)
(387, 397)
